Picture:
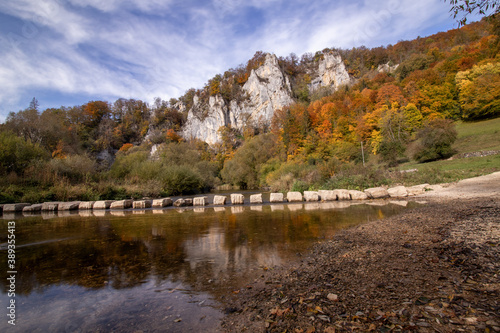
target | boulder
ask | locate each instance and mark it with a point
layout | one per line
(342, 195)
(33, 208)
(200, 201)
(397, 192)
(50, 206)
(103, 204)
(86, 205)
(327, 195)
(220, 200)
(311, 196)
(122, 204)
(256, 198)
(417, 189)
(160, 203)
(141, 204)
(183, 202)
(64, 206)
(276, 197)
(377, 193)
(294, 197)
(237, 199)
(358, 195)
(17, 207)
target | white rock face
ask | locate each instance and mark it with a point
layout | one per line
(331, 72)
(267, 90)
(141, 204)
(160, 203)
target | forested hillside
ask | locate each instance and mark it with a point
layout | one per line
(401, 105)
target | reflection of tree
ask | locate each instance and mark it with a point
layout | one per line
(210, 252)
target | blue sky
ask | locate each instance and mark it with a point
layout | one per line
(68, 52)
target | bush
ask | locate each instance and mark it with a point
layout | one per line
(75, 167)
(435, 141)
(181, 180)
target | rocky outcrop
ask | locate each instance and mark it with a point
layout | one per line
(331, 72)
(266, 90)
(342, 195)
(64, 206)
(102, 204)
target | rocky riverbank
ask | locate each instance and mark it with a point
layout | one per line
(430, 269)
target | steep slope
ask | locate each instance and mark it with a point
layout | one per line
(267, 89)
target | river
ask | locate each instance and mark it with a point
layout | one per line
(157, 270)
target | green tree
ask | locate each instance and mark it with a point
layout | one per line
(16, 154)
(435, 141)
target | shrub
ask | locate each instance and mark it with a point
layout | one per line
(181, 180)
(435, 141)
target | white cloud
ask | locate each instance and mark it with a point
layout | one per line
(145, 49)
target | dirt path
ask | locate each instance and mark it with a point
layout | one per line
(430, 269)
(478, 187)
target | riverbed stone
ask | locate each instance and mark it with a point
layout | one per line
(311, 196)
(377, 193)
(160, 203)
(397, 192)
(220, 200)
(73, 205)
(102, 204)
(121, 204)
(141, 204)
(200, 201)
(342, 195)
(358, 195)
(50, 206)
(276, 197)
(86, 205)
(33, 208)
(327, 195)
(237, 199)
(183, 202)
(294, 197)
(17, 207)
(256, 198)
(417, 189)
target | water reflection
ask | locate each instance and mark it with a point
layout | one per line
(208, 252)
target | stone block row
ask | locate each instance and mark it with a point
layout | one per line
(219, 200)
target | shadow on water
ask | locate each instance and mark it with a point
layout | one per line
(158, 270)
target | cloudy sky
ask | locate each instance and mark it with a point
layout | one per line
(68, 52)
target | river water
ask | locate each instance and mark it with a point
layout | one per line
(156, 270)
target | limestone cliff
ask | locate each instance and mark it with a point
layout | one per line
(266, 90)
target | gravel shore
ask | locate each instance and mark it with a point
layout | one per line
(435, 268)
